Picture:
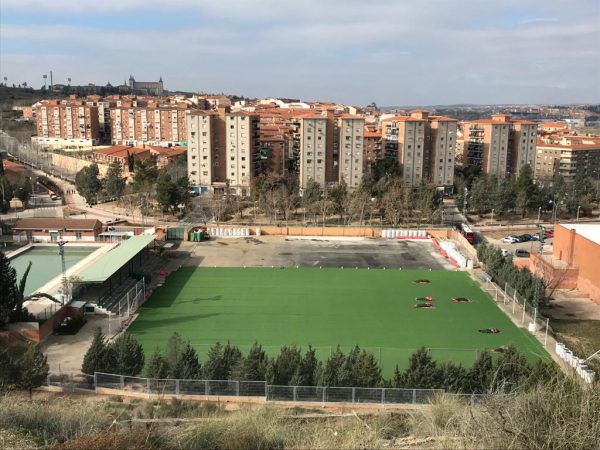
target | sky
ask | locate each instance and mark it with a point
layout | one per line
(393, 52)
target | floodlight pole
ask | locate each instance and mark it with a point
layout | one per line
(538, 280)
(61, 252)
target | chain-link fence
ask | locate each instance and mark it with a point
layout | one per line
(126, 385)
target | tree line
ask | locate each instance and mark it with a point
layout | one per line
(292, 367)
(170, 189)
(14, 187)
(523, 195)
(503, 270)
(381, 196)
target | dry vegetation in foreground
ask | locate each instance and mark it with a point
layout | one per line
(562, 414)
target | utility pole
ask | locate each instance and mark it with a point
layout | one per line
(465, 201)
(61, 251)
(538, 279)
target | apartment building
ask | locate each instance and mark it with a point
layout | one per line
(351, 149)
(222, 150)
(312, 137)
(404, 139)
(275, 149)
(567, 157)
(70, 124)
(442, 145)
(499, 146)
(152, 125)
(371, 148)
(242, 148)
(203, 159)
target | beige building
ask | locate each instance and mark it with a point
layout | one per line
(404, 139)
(500, 146)
(242, 147)
(351, 149)
(66, 124)
(222, 148)
(312, 149)
(441, 150)
(151, 125)
(567, 158)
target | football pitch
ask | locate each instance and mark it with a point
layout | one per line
(328, 307)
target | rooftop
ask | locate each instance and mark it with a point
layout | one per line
(589, 231)
(44, 223)
(112, 261)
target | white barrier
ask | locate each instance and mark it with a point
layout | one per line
(577, 363)
(454, 255)
(231, 232)
(404, 234)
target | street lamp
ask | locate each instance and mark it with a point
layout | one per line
(539, 214)
(578, 208)
(44, 77)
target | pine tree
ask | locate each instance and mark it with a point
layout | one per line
(158, 366)
(9, 294)
(451, 377)
(331, 371)
(421, 372)
(213, 367)
(398, 378)
(187, 366)
(366, 370)
(128, 355)
(253, 367)
(282, 368)
(307, 373)
(174, 349)
(95, 359)
(480, 376)
(33, 368)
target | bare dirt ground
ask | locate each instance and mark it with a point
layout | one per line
(571, 304)
(278, 251)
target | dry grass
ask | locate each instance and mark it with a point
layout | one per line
(561, 414)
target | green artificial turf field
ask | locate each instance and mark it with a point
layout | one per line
(327, 307)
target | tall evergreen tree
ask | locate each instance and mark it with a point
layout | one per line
(128, 355)
(174, 348)
(158, 366)
(331, 371)
(252, 367)
(366, 370)
(9, 294)
(95, 358)
(281, 369)
(307, 373)
(115, 182)
(220, 361)
(88, 184)
(480, 376)
(187, 365)
(33, 368)
(421, 372)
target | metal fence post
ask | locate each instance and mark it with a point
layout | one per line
(295, 392)
(505, 289)
(324, 393)
(122, 381)
(383, 396)
(148, 387)
(95, 381)
(237, 388)
(177, 386)
(523, 318)
(353, 394)
(414, 396)
(206, 388)
(514, 300)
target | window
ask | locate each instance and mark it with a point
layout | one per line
(78, 235)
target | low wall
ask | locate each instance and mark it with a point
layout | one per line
(318, 231)
(39, 332)
(559, 278)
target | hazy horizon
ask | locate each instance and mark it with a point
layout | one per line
(348, 51)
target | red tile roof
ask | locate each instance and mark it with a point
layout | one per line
(43, 223)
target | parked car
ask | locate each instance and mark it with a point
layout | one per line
(510, 240)
(535, 237)
(520, 253)
(525, 237)
(505, 252)
(549, 233)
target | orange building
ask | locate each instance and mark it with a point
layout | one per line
(575, 257)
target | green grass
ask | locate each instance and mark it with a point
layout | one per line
(327, 307)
